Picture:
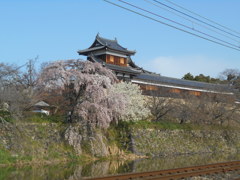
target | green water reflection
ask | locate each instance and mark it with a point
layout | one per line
(73, 171)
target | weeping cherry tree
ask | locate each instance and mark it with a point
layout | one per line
(85, 86)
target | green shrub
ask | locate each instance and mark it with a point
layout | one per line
(5, 157)
(5, 172)
(43, 118)
(153, 125)
(6, 116)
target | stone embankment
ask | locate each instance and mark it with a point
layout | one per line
(176, 142)
(33, 141)
(54, 141)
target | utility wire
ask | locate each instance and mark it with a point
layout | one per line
(19, 67)
(178, 23)
(196, 18)
(214, 22)
(161, 22)
(193, 22)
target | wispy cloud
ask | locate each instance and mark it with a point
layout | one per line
(178, 66)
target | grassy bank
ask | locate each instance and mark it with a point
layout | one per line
(8, 159)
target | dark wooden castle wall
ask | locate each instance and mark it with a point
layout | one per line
(151, 90)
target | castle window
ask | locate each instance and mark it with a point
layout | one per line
(111, 59)
(175, 90)
(151, 88)
(122, 61)
(195, 93)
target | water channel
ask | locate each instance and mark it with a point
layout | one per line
(75, 171)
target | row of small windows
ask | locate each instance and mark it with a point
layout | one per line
(173, 90)
(116, 60)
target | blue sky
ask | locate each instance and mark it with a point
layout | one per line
(57, 29)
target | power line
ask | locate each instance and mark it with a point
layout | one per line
(193, 22)
(19, 67)
(148, 17)
(195, 18)
(214, 22)
(180, 24)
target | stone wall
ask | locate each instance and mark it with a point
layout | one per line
(34, 140)
(50, 141)
(55, 141)
(175, 142)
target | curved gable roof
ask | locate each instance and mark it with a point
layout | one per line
(112, 44)
(101, 43)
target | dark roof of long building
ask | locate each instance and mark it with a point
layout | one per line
(103, 43)
(182, 83)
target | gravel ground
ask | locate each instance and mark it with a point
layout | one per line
(222, 176)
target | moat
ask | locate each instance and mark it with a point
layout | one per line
(76, 171)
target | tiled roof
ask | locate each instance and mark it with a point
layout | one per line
(181, 82)
(90, 49)
(112, 44)
(41, 103)
(123, 69)
(103, 43)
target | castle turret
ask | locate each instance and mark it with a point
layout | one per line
(112, 55)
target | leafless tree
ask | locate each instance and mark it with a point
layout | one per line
(11, 90)
(160, 104)
(209, 108)
(9, 74)
(17, 100)
(230, 74)
(29, 77)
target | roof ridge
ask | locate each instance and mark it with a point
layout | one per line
(200, 82)
(99, 37)
(101, 42)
